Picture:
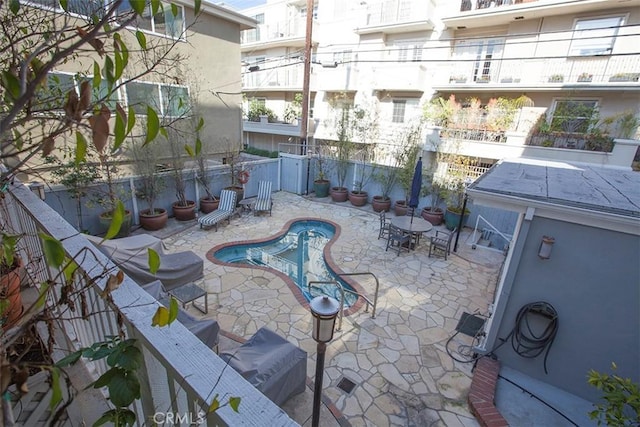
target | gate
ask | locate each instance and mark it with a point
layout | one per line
(294, 173)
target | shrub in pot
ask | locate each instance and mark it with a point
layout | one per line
(150, 184)
(209, 202)
(433, 188)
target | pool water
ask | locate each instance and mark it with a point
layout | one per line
(298, 254)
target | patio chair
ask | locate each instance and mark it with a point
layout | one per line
(384, 226)
(398, 238)
(271, 364)
(225, 210)
(263, 201)
(206, 330)
(441, 242)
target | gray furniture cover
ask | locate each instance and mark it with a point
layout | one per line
(130, 254)
(205, 329)
(271, 364)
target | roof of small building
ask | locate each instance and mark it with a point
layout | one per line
(584, 186)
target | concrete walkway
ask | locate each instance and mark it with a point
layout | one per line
(402, 373)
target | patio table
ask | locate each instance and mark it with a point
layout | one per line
(415, 227)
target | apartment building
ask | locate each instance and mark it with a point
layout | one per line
(573, 63)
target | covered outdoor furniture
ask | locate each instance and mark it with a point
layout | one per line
(225, 210)
(384, 226)
(131, 255)
(398, 239)
(206, 330)
(263, 202)
(271, 364)
(441, 242)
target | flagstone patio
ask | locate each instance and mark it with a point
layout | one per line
(402, 373)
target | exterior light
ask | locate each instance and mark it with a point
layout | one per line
(37, 188)
(324, 310)
(254, 68)
(545, 247)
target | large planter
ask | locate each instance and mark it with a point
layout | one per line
(434, 215)
(125, 227)
(339, 194)
(358, 198)
(321, 187)
(152, 221)
(208, 205)
(10, 291)
(184, 213)
(452, 218)
(381, 204)
(400, 207)
(239, 193)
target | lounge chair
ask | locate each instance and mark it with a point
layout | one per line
(441, 242)
(263, 202)
(226, 209)
(206, 330)
(271, 364)
(131, 255)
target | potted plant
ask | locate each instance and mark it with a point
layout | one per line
(209, 202)
(585, 77)
(321, 184)
(10, 275)
(556, 78)
(111, 193)
(238, 176)
(184, 209)
(387, 178)
(455, 192)
(344, 147)
(150, 184)
(433, 188)
(483, 79)
(364, 173)
(625, 77)
(408, 157)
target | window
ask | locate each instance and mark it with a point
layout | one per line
(167, 100)
(409, 52)
(78, 7)
(573, 115)
(399, 107)
(303, 12)
(169, 21)
(594, 36)
(54, 95)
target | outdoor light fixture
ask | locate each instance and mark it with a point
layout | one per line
(545, 247)
(254, 68)
(324, 310)
(37, 188)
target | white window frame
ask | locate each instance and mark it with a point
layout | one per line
(551, 112)
(398, 116)
(77, 80)
(161, 107)
(151, 19)
(595, 40)
(409, 51)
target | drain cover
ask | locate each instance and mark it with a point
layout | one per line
(346, 385)
(469, 324)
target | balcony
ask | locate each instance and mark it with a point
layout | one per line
(288, 77)
(543, 74)
(396, 16)
(386, 77)
(342, 78)
(264, 126)
(283, 33)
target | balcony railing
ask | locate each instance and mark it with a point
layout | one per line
(288, 77)
(390, 12)
(178, 374)
(545, 71)
(484, 4)
(293, 28)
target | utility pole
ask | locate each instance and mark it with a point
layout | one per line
(306, 98)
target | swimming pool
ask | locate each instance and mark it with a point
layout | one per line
(298, 253)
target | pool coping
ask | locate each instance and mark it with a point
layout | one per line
(290, 283)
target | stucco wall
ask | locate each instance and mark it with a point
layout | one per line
(593, 281)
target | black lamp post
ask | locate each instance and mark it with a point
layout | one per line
(324, 310)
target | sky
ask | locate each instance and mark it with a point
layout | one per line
(241, 4)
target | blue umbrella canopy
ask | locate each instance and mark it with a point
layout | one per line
(416, 184)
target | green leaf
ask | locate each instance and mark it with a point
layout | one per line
(119, 65)
(138, 6)
(116, 221)
(196, 6)
(161, 317)
(64, 4)
(153, 125)
(97, 77)
(234, 402)
(56, 391)
(174, 9)
(200, 124)
(53, 250)
(107, 71)
(105, 378)
(119, 129)
(142, 39)
(69, 359)
(189, 151)
(14, 6)
(173, 309)
(131, 120)
(164, 133)
(42, 295)
(198, 146)
(154, 261)
(215, 404)
(155, 7)
(124, 388)
(11, 84)
(81, 149)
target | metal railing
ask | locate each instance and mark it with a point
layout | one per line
(179, 373)
(493, 229)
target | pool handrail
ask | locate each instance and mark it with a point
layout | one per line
(375, 295)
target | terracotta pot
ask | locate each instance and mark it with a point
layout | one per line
(339, 194)
(358, 198)
(10, 290)
(208, 205)
(239, 193)
(380, 203)
(153, 221)
(400, 208)
(433, 215)
(321, 187)
(125, 228)
(184, 213)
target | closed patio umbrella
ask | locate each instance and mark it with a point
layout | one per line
(416, 184)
